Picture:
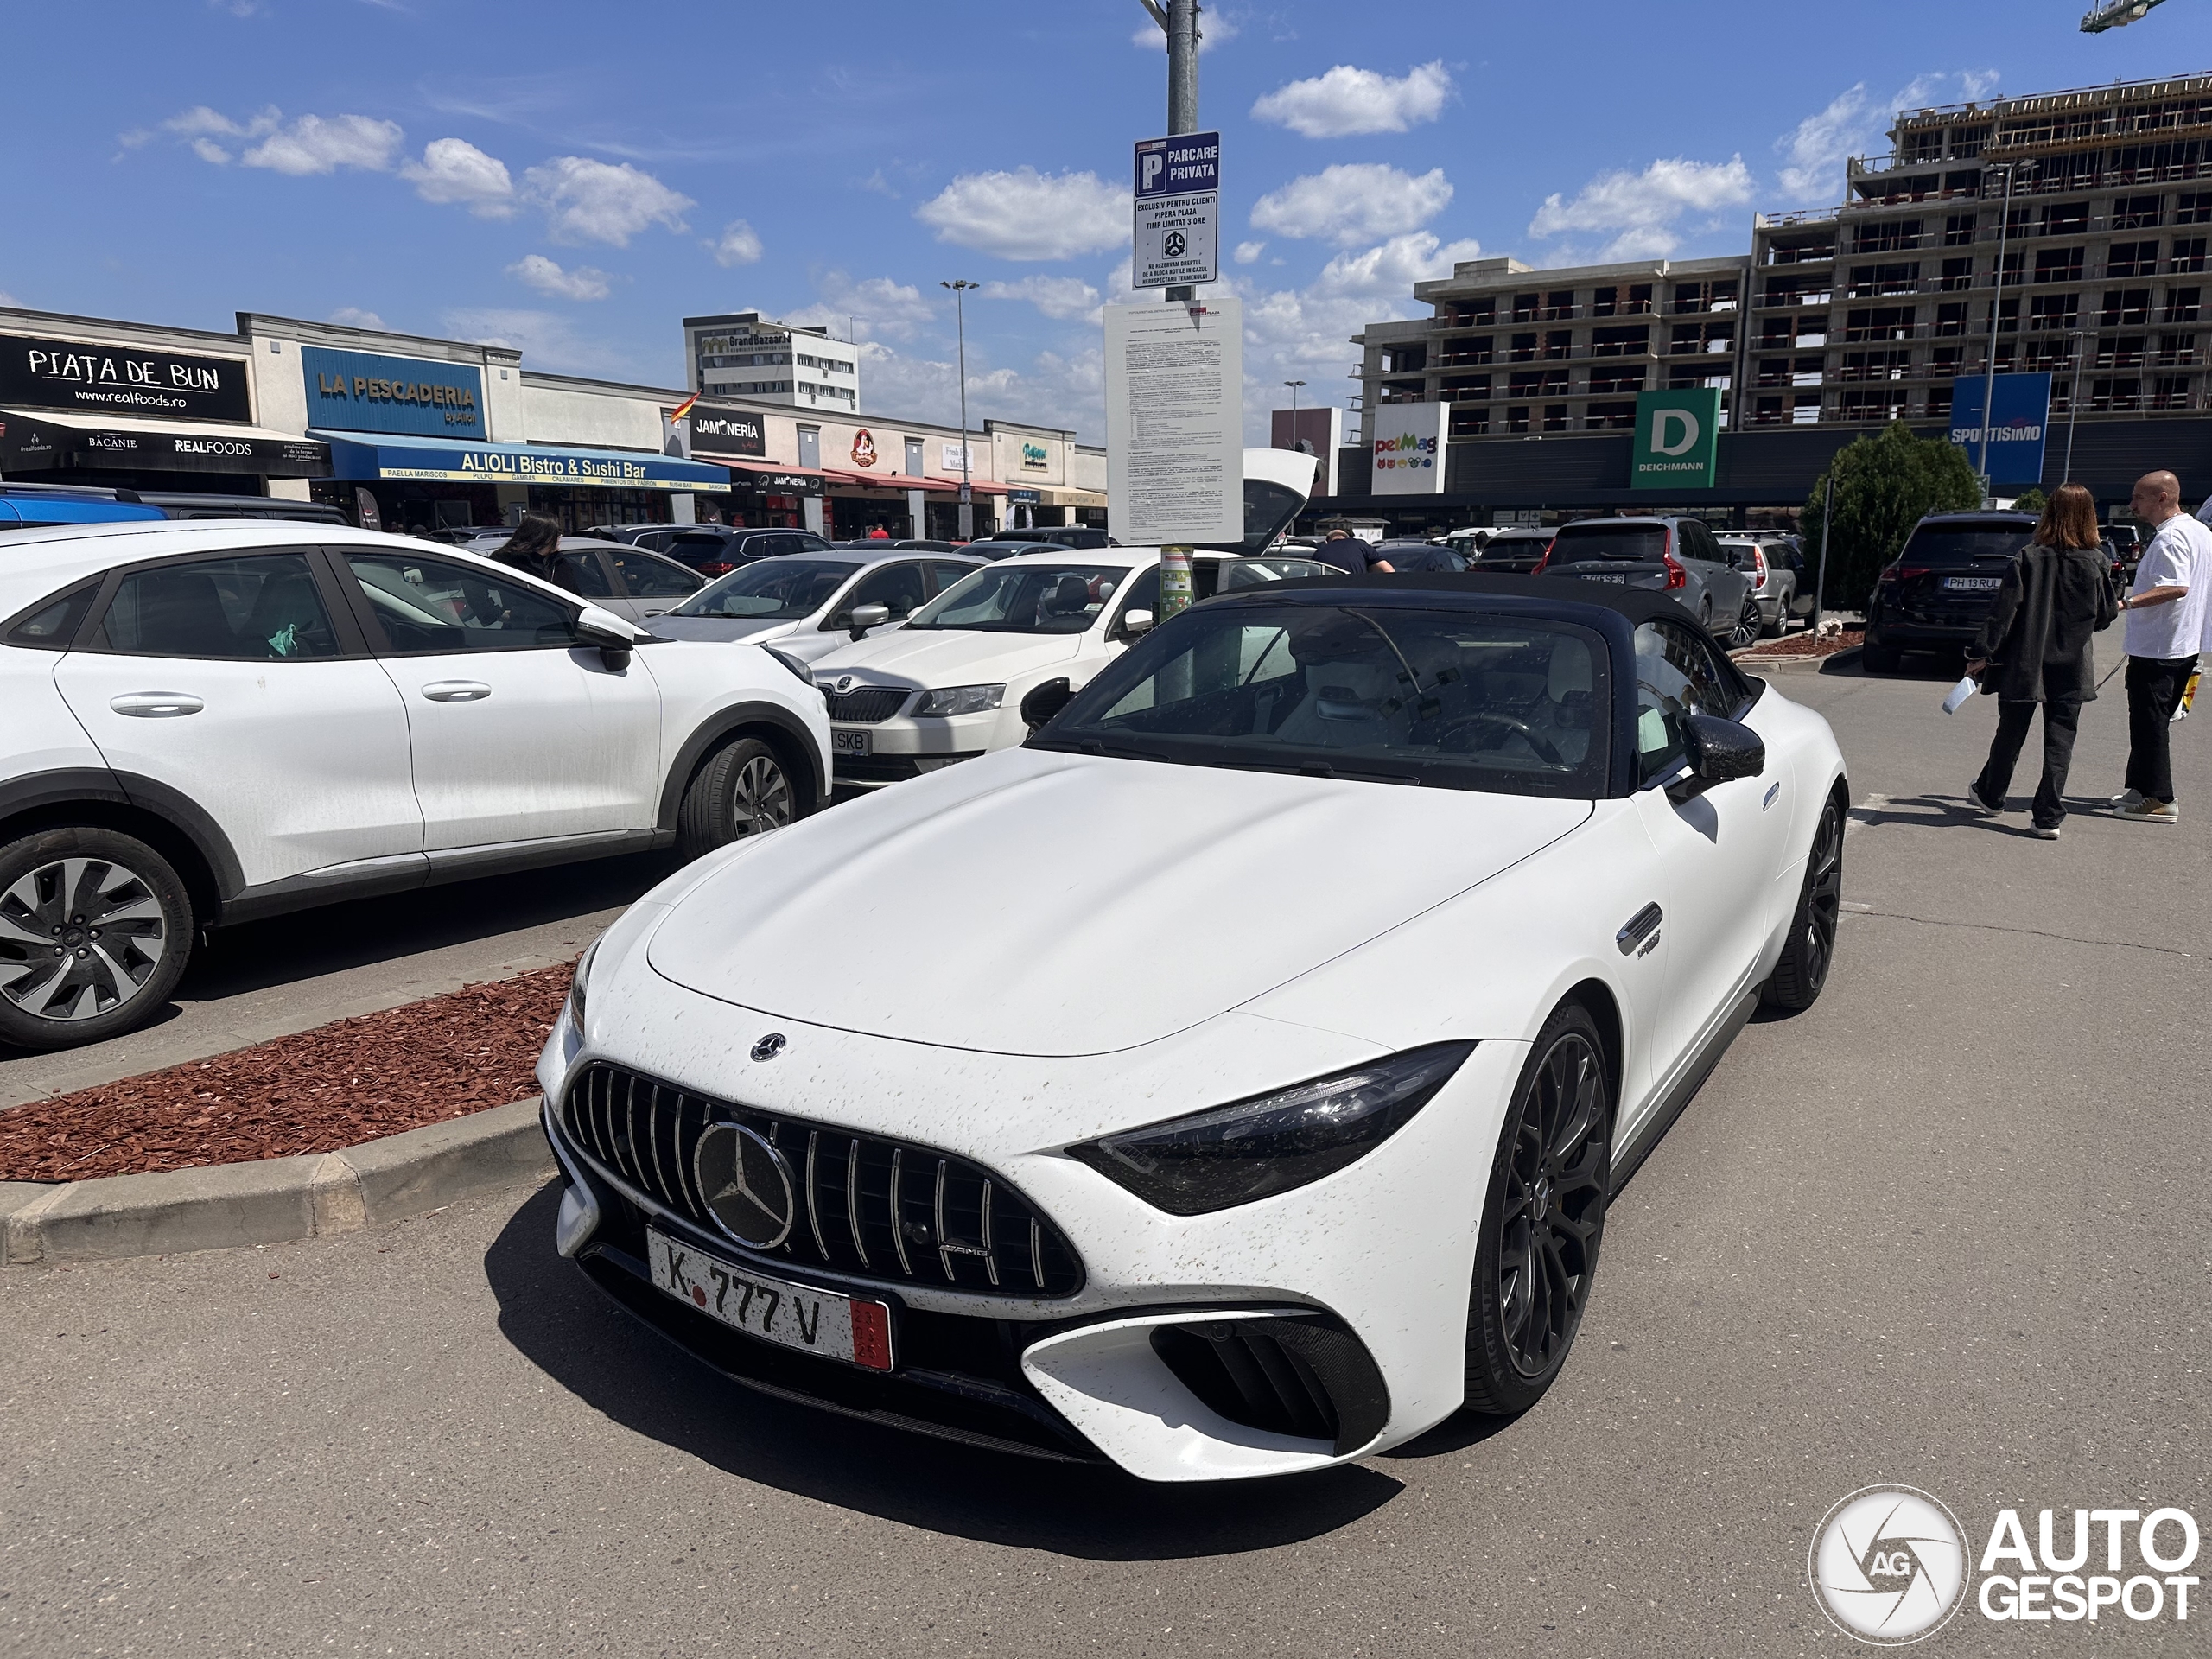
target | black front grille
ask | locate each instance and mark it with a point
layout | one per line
(869, 1207)
(864, 705)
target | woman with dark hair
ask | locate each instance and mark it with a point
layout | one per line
(2034, 649)
(531, 549)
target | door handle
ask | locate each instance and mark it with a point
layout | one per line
(456, 691)
(1643, 929)
(156, 705)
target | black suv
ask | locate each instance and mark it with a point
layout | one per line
(1935, 595)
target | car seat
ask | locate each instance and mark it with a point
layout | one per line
(1348, 705)
(181, 614)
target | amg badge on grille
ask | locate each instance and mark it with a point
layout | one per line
(747, 1185)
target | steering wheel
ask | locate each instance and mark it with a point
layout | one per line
(1549, 755)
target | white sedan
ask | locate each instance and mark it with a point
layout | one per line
(810, 604)
(1232, 1079)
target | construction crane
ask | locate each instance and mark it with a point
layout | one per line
(2113, 14)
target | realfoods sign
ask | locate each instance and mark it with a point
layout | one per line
(1677, 440)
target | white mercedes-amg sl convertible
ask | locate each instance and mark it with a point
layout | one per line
(1232, 1079)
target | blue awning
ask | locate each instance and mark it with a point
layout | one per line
(381, 454)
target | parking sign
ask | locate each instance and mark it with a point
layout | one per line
(1178, 188)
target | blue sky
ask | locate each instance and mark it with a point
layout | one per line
(574, 179)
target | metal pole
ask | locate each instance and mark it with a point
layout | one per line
(1828, 523)
(1175, 588)
(960, 288)
(1996, 304)
(2073, 408)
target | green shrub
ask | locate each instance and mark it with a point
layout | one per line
(1885, 483)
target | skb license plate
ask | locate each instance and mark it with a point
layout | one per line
(845, 743)
(774, 1310)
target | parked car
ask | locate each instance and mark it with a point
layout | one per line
(209, 723)
(628, 581)
(33, 505)
(810, 605)
(1055, 1103)
(1514, 552)
(184, 503)
(1678, 557)
(1000, 548)
(1409, 558)
(949, 684)
(898, 544)
(716, 549)
(1937, 591)
(1076, 536)
(1774, 584)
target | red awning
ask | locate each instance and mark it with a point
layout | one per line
(980, 486)
(736, 465)
(889, 481)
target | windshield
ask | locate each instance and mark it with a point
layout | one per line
(1957, 544)
(773, 590)
(1462, 699)
(1609, 541)
(1025, 599)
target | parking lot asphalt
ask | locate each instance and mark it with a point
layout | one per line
(1948, 1228)
(269, 979)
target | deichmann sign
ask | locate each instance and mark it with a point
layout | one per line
(1891, 1565)
(1408, 449)
(2022, 403)
(361, 391)
(121, 380)
(27, 444)
(1677, 440)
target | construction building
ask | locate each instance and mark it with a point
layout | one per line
(2094, 206)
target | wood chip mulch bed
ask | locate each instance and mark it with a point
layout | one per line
(321, 1090)
(1803, 644)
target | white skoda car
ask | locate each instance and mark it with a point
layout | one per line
(1119, 1097)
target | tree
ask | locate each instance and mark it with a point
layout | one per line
(1884, 485)
(2034, 501)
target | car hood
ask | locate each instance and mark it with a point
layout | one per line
(758, 629)
(932, 656)
(1037, 903)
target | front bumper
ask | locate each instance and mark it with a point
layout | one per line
(904, 746)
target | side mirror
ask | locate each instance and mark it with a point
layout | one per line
(864, 616)
(614, 637)
(1045, 701)
(1135, 622)
(1721, 751)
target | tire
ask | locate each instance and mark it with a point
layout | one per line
(741, 789)
(1780, 625)
(1874, 658)
(119, 910)
(1749, 624)
(1802, 969)
(1536, 1255)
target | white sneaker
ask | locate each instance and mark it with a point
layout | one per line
(2147, 811)
(2125, 798)
(2044, 832)
(1974, 800)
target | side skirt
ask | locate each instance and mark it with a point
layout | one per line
(1627, 1160)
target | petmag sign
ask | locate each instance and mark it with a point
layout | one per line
(1408, 449)
(1677, 440)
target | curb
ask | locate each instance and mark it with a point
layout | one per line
(275, 1200)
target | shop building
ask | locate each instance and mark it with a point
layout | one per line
(744, 355)
(1051, 480)
(85, 400)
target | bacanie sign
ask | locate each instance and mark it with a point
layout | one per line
(1677, 440)
(1408, 449)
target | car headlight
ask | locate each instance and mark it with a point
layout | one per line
(1257, 1148)
(574, 1012)
(805, 674)
(961, 700)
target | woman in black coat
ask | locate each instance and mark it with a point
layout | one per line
(2035, 649)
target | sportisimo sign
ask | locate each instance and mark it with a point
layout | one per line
(1891, 1565)
(2021, 407)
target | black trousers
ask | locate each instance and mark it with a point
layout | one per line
(2154, 690)
(2061, 721)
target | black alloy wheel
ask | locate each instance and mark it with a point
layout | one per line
(95, 929)
(741, 790)
(1536, 1257)
(1749, 624)
(1802, 969)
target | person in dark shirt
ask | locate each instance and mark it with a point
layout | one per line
(1348, 554)
(533, 548)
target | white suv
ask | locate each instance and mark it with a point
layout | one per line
(213, 722)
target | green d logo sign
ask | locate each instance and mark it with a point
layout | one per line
(1677, 440)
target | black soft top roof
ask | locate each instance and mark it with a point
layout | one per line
(1490, 591)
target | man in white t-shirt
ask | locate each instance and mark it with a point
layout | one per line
(2166, 620)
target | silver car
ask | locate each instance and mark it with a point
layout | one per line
(1678, 557)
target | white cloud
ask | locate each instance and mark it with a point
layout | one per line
(1814, 150)
(739, 244)
(547, 340)
(547, 277)
(1026, 214)
(1352, 202)
(316, 144)
(1639, 210)
(201, 127)
(1215, 28)
(875, 305)
(1346, 101)
(353, 317)
(1249, 252)
(1061, 298)
(455, 170)
(593, 201)
(8, 299)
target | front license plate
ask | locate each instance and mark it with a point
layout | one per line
(842, 742)
(1972, 584)
(774, 1310)
(1607, 575)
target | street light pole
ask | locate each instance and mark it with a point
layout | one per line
(1294, 385)
(960, 287)
(1180, 19)
(2073, 408)
(1996, 305)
